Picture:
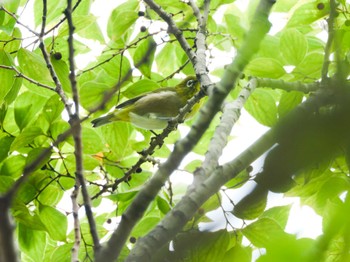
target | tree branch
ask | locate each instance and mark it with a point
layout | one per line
(260, 26)
(78, 146)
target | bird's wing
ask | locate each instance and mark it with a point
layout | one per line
(133, 100)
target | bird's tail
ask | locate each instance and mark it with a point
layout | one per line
(102, 120)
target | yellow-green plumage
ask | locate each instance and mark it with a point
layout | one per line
(153, 110)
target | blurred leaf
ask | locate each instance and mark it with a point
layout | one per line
(55, 222)
(62, 71)
(170, 50)
(13, 166)
(308, 13)
(81, 22)
(140, 87)
(26, 137)
(54, 11)
(32, 242)
(288, 101)
(121, 19)
(238, 253)
(310, 67)
(92, 141)
(118, 138)
(201, 246)
(263, 232)
(265, 67)
(262, 106)
(9, 83)
(294, 46)
(10, 43)
(279, 214)
(34, 66)
(51, 195)
(5, 144)
(144, 226)
(163, 205)
(53, 108)
(144, 55)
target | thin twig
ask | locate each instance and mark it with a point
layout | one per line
(20, 74)
(328, 47)
(77, 130)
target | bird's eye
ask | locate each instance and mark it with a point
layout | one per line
(190, 83)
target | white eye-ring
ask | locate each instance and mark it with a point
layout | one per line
(190, 83)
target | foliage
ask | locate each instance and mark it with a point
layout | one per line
(54, 164)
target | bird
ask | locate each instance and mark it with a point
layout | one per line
(153, 110)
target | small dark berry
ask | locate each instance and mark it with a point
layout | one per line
(320, 6)
(132, 240)
(141, 13)
(143, 29)
(109, 221)
(57, 56)
(138, 170)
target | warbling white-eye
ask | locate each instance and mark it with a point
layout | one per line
(153, 110)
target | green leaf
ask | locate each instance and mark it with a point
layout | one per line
(54, 11)
(294, 46)
(288, 248)
(92, 141)
(162, 59)
(262, 106)
(34, 66)
(118, 137)
(288, 101)
(55, 222)
(201, 246)
(33, 156)
(145, 225)
(308, 13)
(263, 231)
(163, 205)
(279, 214)
(140, 87)
(32, 242)
(26, 137)
(235, 25)
(62, 71)
(265, 67)
(121, 19)
(284, 5)
(8, 77)
(144, 55)
(238, 181)
(92, 32)
(238, 253)
(8, 22)
(5, 144)
(62, 253)
(27, 107)
(51, 195)
(310, 67)
(80, 22)
(53, 108)
(13, 39)
(5, 184)
(13, 166)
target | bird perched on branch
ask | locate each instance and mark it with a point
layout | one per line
(153, 110)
